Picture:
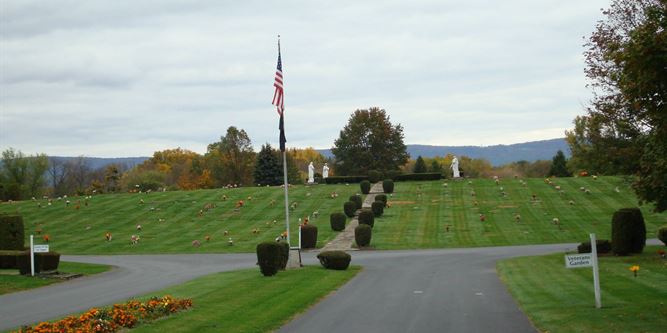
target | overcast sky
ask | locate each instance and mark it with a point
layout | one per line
(127, 78)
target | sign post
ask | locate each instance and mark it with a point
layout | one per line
(588, 260)
(596, 272)
(32, 257)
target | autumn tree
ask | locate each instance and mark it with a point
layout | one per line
(268, 170)
(232, 159)
(369, 142)
(625, 64)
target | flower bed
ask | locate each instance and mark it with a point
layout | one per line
(120, 316)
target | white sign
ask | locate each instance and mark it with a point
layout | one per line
(41, 248)
(579, 260)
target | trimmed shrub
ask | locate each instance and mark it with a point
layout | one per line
(8, 259)
(337, 221)
(308, 236)
(662, 234)
(362, 235)
(366, 217)
(11, 232)
(381, 197)
(628, 231)
(338, 260)
(602, 245)
(48, 261)
(378, 208)
(365, 186)
(284, 255)
(269, 257)
(357, 200)
(374, 176)
(388, 186)
(418, 176)
(344, 179)
(350, 208)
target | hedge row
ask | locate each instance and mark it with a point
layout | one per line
(345, 179)
(418, 176)
(602, 245)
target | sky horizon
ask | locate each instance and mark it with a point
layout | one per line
(129, 78)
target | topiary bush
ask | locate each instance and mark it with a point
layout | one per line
(378, 208)
(662, 234)
(11, 232)
(365, 186)
(366, 217)
(8, 259)
(374, 176)
(308, 236)
(350, 208)
(284, 255)
(382, 198)
(269, 257)
(337, 221)
(388, 186)
(357, 200)
(48, 261)
(602, 245)
(628, 231)
(362, 235)
(338, 260)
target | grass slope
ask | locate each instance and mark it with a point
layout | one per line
(561, 300)
(421, 211)
(171, 220)
(11, 281)
(246, 301)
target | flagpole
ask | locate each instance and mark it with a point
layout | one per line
(286, 184)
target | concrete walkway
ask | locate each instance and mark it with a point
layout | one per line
(345, 239)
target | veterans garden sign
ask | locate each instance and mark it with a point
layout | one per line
(587, 260)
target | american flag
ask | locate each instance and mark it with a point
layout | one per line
(279, 100)
(278, 97)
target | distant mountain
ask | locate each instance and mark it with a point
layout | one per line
(497, 155)
(100, 162)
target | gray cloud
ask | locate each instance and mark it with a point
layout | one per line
(127, 78)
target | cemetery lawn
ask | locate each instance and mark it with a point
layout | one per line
(171, 221)
(557, 299)
(246, 301)
(11, 281)
(421, 211)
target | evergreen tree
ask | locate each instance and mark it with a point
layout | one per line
(420, 165)
(559, 166)
(268, 170)
(435, 166)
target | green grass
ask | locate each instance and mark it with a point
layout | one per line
(418, 217)
(557, 299)
(11, 281)
(421, 211)
(246, 301)
(171, 220)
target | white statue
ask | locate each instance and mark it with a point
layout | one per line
(325, 171)
(311, 173)
(455, 168)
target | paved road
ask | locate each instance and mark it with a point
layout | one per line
(449, 290)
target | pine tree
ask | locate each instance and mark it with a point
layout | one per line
(559, 166)
(420, 165)
(268, 170)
